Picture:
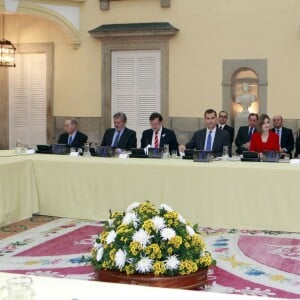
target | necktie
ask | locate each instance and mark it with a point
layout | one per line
(250, 134)
(70, 140)
(116, 140)
(221, 127)
(278, 132)
(156, 145)
(208, 142)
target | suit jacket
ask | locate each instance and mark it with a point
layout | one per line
(126, 141)
(221, 139)
(78, 141)
(230, 130)
(297, 152)
(167, 137)
(287, 140)
(242, 138)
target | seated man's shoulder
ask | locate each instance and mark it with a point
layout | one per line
(288, 129)
(244, 127)
(168, 130)
(130, 130)
(63, 134)
(147, 131)
(81, 133)
(223, 132)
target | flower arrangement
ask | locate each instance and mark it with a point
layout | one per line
(146, 240)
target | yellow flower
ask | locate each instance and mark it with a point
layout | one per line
(197, 241)
(103, 237)
(159, 268)
(148, 225)
(171, 215)
(116, 214)
(205, 260)
(153, 251)
(129, 269)
(187, 245)
(170, 250)
(187, 267)
(112, 254)
(135, 247)
(176, 241)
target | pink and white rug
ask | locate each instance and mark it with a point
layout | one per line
(258, 263)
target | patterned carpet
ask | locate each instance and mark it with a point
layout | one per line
(259, 263)
(34, 221)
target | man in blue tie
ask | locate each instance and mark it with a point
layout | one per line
(211, 138)
(286, 136)
(72, 137)
(120, 136)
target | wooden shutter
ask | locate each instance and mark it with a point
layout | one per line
(136, 86)
(27, 100)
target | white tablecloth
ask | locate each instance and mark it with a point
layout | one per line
(67, 289)
(238, 195)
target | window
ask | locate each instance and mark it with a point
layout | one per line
(136, 86)
(27, 100)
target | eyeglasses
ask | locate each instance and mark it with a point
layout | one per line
(222, 116)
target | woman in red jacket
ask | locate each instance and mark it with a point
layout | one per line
(264, 139)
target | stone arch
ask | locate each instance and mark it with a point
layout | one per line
(38, 11)
(230, 66)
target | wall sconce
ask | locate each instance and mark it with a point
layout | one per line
(7, 51)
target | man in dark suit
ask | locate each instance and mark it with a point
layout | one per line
(210, 138)
(222, 118)
(158, 136)
(286, 137)
(119, 137)
(72, 137)
(244, 134)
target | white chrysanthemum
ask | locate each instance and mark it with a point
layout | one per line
(120, 258)
(132, 206)
(158, 223)
(111, 237)
(190, 230)
(131, 217)
(181, 219)
(99, 254)
(97, 245)
(167, 233)
(172, 263)
(141, 236)
(144, 265)
(166, 207)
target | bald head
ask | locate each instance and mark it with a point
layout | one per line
(277, 121)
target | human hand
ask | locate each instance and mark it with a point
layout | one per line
(181, 148)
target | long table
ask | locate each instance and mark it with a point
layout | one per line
(18, 194)
(219, 194)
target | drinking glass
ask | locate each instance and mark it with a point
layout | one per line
(166, 153)
(225, 155)
(174, 153)
(86, 150)
(72, 149)
(18, 288)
